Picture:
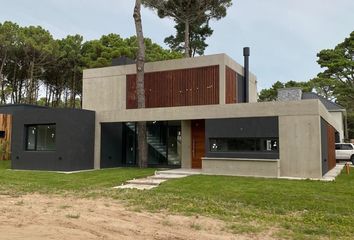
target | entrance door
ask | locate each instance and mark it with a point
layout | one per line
(198, 142)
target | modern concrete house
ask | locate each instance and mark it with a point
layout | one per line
(202, 113)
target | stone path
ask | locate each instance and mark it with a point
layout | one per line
(155, 180)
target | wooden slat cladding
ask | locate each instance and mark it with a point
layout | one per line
(231, 85)
(5, 139)
(184, 87)
(331, 147)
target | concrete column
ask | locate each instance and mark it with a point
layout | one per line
(186, 158)
(300, 146)
(97, 155)
(222, 88)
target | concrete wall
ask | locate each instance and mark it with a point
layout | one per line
(241, 167)
(104, 89)
(300, 146)
(338, 118)
(288, 110)
(104, 94)
(186, 158)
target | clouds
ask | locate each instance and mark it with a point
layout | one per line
(284, 35)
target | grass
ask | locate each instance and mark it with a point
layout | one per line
(20, 182)
(290, 209)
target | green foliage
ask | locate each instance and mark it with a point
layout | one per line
(337, 79)
(198, 34)
(31, 59)
(193, 15)
(21, 182)
(99, 53)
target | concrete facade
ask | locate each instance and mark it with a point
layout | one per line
(241, 167)
(338, 117)
(104, 91)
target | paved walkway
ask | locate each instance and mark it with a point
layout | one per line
(159, 177)
(164, 175)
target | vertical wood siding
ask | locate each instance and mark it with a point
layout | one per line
(5, 143)
(231, 86)
(198, 143)
(331, 147)
(185, 87)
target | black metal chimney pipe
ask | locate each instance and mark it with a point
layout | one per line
(246, 67)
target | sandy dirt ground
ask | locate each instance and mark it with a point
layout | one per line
(39, 217)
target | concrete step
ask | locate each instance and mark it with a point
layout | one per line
(187, 172)
(146, 181)
(136, 186)
(168, 176)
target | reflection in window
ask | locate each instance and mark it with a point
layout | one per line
(41, 137)
(243, 145)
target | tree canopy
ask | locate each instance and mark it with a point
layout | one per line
(38, 69)
(197, 38)
(190, 17)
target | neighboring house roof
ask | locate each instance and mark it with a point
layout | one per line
(123, 60)
(331, 106)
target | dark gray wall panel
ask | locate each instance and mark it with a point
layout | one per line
(242, 127)
(241, 94)
(258, 127)
(75, 131)
(111, 145)
(324, 148)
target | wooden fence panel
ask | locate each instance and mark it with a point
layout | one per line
(5, 136)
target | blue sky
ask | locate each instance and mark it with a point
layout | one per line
(284, 35)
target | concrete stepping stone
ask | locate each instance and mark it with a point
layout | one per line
(155, 180)
(136, 186)
(147, 181)
(167, 176)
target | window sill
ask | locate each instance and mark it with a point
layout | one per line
(238, 159)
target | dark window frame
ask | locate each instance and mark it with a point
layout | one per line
(257, 140)
(36, 137)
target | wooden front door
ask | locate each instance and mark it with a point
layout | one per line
(198, 142)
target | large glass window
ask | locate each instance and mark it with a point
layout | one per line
(243, 145)
(41, 137)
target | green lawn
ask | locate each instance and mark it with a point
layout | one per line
(293, 209)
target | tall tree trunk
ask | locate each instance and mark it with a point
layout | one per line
(20, 92)
(186, 40)
(2, 78)
(73, 93)
(141, 131)
(66, 98)
(30, 91)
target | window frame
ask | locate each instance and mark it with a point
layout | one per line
(255, 139)
(348, 146)
(36, 137)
